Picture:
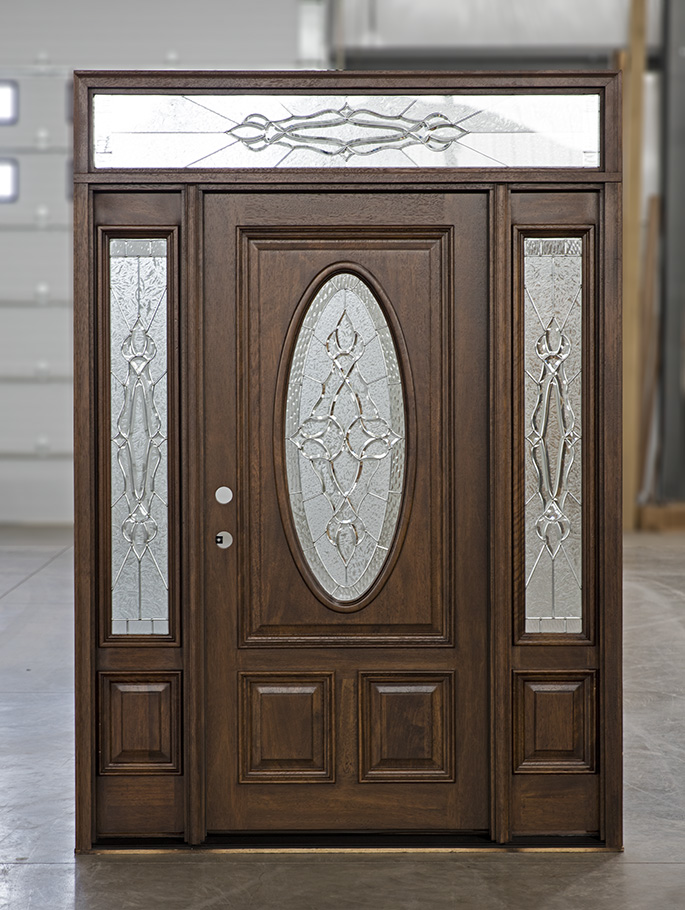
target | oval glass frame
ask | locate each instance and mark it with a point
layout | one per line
(388, 431)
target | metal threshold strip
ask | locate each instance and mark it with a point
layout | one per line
(355, 842)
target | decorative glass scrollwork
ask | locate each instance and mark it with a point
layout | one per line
(345, 438)
(346, 132)
(405, 131)
(553, 348)
(138, 364)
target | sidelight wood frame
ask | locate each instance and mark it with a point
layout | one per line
(512, 652)
(104, 234)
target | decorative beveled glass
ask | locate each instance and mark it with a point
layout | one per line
(139, 470)
(345, 438)
(304, 131)
(553, 290)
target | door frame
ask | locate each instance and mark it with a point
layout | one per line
(520, 198)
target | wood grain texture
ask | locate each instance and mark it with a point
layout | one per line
(502, 528)
(132, 214)
(555, 804)
(610, 547)
(554, 721)
(138, 807)
(277, 279)
(286, 728)
(194, 517)
(365, 180)
(85, 512)
(406, 726)
(140, 723)
(425, 258)
(472, 269)
(597, 647)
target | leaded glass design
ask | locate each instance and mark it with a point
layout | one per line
(139, 473)
(345, 438)
(553, 274)
(268, 131)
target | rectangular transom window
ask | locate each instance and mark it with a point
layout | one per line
(304, 131)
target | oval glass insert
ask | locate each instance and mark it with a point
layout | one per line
(345, 437)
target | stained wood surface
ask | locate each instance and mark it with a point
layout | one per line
(438, 709)
(400, 741)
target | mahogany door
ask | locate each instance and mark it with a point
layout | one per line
(345, 389)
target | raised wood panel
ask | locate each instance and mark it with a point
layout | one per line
(140, 723)
(406, 726)
(554, 723)
(286, 728)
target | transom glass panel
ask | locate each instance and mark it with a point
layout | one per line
(269, 131)
(139, 471)
(345, 438)
(553, 288)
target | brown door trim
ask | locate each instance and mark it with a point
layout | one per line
(601, 651)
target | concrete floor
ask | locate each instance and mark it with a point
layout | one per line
(38, 870)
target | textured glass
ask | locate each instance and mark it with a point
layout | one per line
(267, 131)
(139, 473)
(344, 438)
(553, 274)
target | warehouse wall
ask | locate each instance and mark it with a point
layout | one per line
(41, 43)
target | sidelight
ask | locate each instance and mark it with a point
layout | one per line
(139, 469)
(345, 438)
(553, 289)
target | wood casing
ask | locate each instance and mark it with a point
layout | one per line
(440, 713)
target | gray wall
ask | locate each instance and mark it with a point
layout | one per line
(205, 34)
(41, 43)
(493, 23)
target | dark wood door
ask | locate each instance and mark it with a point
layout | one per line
(347, 687)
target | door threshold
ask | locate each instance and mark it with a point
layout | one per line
(357, 842)
(362, 841)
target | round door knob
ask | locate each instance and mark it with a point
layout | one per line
(224, 495)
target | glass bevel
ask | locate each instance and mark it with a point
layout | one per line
(304, 131)
(138, 315)
(344, 442)
(552, 394)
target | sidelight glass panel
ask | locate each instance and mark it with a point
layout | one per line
(139, 472)
(345, 438)
(553, 276)
(267, 131)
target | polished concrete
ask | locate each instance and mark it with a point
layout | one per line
(39, 872)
